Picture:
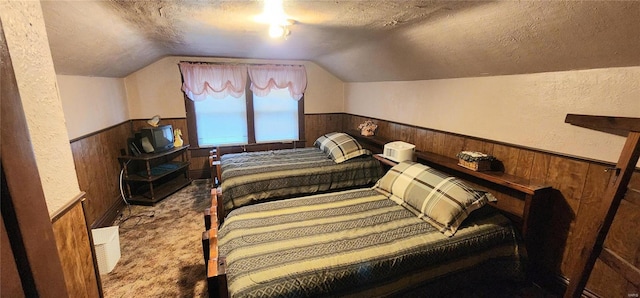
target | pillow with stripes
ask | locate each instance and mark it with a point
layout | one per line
(340, 146)
(439, 199)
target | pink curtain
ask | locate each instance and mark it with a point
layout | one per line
(217, 81)
(264, 78)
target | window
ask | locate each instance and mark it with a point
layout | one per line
(224, 107)
(275, 117)
(216, 125)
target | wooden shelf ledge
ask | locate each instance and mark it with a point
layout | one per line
(500, 178)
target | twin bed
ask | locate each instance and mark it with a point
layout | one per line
(336, 162)
(417, 231)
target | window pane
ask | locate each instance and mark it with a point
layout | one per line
(275, 116)
(221, 121)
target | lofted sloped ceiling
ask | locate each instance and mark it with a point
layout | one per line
(358, 41)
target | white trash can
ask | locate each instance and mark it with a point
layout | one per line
(106, 242)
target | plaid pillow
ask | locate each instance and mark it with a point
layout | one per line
(340, 146)
(439, 199)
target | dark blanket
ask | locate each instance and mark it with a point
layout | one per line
(252, 177)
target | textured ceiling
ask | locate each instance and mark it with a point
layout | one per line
(358, 41)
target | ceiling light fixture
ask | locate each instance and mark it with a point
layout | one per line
(277, 19)
(277, 31)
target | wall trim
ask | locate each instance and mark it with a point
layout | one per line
(330, 113)
(172, 118)
(99, 131)
(62, 211)
(130, 121)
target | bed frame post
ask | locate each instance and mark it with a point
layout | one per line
(217, 282)
(215, 265)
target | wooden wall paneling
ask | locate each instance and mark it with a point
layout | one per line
(440, 140)
(607, 281)
(624, 239)
(452, 145)
(405, 133)
(97, 180)
(540, 167)
(439, 143)
(98, 170)
(394, 131)
(471, 144)
(383, 130)
(310, 129)
(347, 123)
(352, 122)
(80, 163)
(568, 177)
(314, 127)
(320, 124)
(507, 157)
(444, 144)
(594, 186)
(524, 165)
(425, 140)
(199, 167)
(74, 249)
(112, 142)
(335, 122)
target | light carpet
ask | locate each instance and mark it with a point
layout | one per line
(161, 255)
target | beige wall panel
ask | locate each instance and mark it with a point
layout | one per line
(527, 110)
(91, 103)
(155, 89)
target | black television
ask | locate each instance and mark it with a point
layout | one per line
(155, 139)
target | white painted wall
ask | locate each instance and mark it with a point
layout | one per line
(92, 103)
(26, 38)
(527, 110)
(155, 89)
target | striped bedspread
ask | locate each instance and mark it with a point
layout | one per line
(359, 243)
(251, 177)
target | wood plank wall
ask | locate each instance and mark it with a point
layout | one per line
(96, 159)
(74, 248)
(316, 125)
(577, 183)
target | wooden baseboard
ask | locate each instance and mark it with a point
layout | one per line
(110, 215)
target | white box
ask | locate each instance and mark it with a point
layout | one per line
(106, 242)
(398, 151)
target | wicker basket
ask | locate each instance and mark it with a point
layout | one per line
(480, 165)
